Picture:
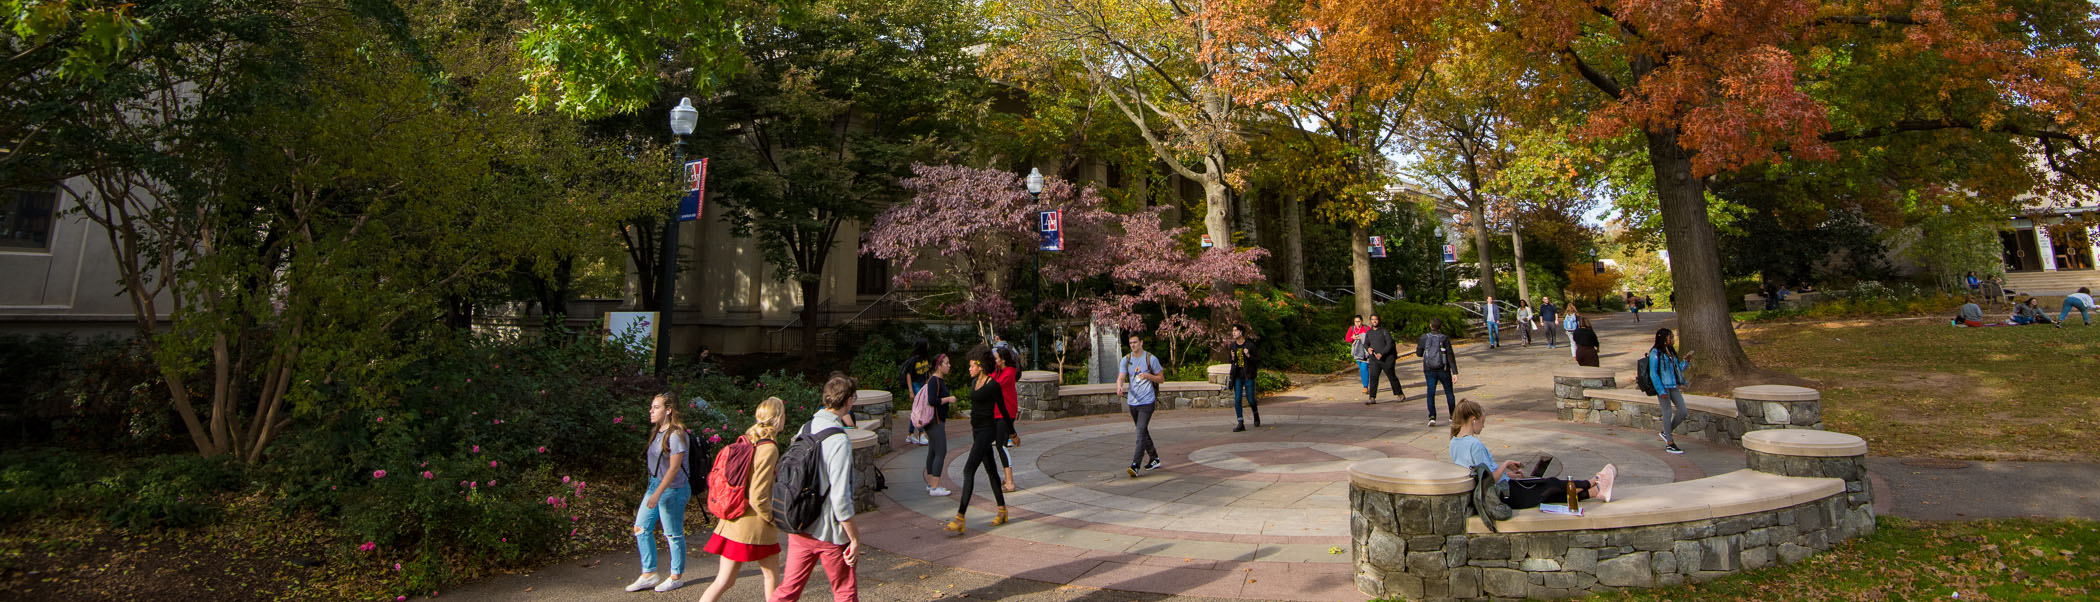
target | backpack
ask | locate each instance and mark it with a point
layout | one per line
(1359, 350)
(799, 484)
(1486, 500)
(1641, 379)
(1433, 352)
(693, 448)
(922, 405)
(730, 483)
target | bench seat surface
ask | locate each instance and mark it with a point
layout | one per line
(1710, 405)
(1741, 492)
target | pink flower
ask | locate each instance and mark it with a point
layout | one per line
(496, 421)
(367, 547)
(565, 478)
(492, 482)
(575, 518)
(400, 598)
(470, 380)
(397, 567)
(492, 464)
(714, 438)
(427, 475)
(379, 419)
(543, 391)
(616, 420)
(379, 474)
(477, 449)
(543, 449)
(572, 533)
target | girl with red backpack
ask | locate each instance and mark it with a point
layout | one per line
(746, 533)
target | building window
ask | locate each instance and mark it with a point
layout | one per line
(25, 218)
(874, 276)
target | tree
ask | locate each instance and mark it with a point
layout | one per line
(1708, 88)
(592, 58)
(1155, 268)
(1584, 281)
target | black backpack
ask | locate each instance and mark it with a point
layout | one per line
(799, 483)
(1641, 379)
(694, 447)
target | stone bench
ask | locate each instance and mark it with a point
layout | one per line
(1585, 394)
(865, 473)
(872, 409)
(1411, 536)
(1042, 398)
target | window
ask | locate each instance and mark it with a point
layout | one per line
(25, 218)
(874, 277)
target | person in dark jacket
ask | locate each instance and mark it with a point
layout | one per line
(1549, 315)
(1585, 338)
(1383, 354)
(1439, 364)
(985, 398)
(1245, 365)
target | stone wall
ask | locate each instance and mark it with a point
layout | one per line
(1755, 408)
(876, 408)
(866, 475)
(1042, 398)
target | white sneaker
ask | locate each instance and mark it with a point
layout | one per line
(670, 584)
(937, 491)
(644, 582)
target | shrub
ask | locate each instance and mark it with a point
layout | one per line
(1407, 320)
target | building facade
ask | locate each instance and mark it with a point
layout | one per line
(2051, 252)
(56, 270)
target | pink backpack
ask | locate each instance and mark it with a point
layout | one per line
(921, 407)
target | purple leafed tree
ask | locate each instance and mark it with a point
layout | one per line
(1153, 266)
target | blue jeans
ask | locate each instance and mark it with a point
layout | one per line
(1242, 389)
(1363, 373)
(2070, 304)
(1494, 328)
(670, 512)
(1434, 377)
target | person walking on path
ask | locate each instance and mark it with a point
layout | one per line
(1519, 493)
(1245, 366)
(1383, 354)
(665, 503)
(1633, 304)
(2082, 301)
(1138, 381)
(1008, 375)
(984, 430)
(1585, 339)
(1549, 315)
(751, 536)
(1524, 320)
(1568, 323)
(938, 397)
(1492, 315)
(1355, 337)
(832, 540)
(1439, 364)
(1666, 375)
(915, 370)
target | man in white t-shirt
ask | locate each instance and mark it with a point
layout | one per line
(1138, 379)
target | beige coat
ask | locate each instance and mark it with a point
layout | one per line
(755, 527)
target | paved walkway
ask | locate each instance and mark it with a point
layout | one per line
(1264, 514)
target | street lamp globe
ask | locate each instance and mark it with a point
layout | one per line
(684, 117)
(1035, 181)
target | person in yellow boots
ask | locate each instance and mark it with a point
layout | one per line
(748, 535)
(985, 396)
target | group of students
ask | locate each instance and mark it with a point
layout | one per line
(1376, 353)
(2029, 312)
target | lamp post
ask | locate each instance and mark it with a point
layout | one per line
(683, 118)
(1035, 195)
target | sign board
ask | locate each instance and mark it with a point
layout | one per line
(1052, 226)
(696, 191)
(636, 328)
(1450, 253)
(1600, 268)
(1206, 241)
(1378, 247)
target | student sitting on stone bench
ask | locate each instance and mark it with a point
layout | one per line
(1518, 493)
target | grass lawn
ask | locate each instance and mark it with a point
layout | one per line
(1918, 387)
(1910, 560)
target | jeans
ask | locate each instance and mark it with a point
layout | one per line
(1243, 389)
(1142, 417)
(1526, 328)
(1552, 333)
(1434, 377)
(1494, 328)
(1363, 372)
(981, 446)
(2070, 304)
(936, 447)
(1667, 398)
(669, 511)
(1392, 378)
(803, 555)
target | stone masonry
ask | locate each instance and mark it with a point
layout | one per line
(1042, 398)
(1756, 407)
(876, 408)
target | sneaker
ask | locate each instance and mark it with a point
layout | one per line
(1604, 480)
(1665, 440)
(1153, 465)
(1432, 421)
(670, 584)
(937, 492)
(1673, 448)
(1241, 427)
(644, 582)
(1132, 471)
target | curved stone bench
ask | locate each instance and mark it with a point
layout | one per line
(1042, 398)
(865, 473)
(1584, 394)
(1412, 538)
(872, 410)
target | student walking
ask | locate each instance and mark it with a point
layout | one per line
(1524, 320)
(915, 370)
(750, 535)
(1439, 364)
(832, 540)
(1666, 374)
(984, 430)
(1355, 337)
(1138, 381)
(1007, 375)
(1519, 493)
(1585, 340)
(1633, 304)
(1549, 316)
(1383, 354)
(934, 391)
(1568, 322)
(1245, 367)
(2081, 301)
(1492, 315)
(667, 494)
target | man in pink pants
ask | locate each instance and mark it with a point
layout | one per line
(832, 539)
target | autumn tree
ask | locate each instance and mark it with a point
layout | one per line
(1587, 282)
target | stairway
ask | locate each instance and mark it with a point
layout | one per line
(2050, 284)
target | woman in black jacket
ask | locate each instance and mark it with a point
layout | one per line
(1585, 338)
(985, 395)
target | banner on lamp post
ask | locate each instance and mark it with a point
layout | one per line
(694, 201)
(1450, 253)
(1377, 247)
(1052, 226)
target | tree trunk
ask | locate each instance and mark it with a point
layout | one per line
(1250, 217)
(811, 307)
(1703, 324)
(1482, 248)
(1516, 247)
(1360, 266)
(1217, 199)
(1294, 245)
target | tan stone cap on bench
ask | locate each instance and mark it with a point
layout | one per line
(1183, 386)
(1777, 393)
(1710, 405)
(1805, 442)
(1583, 372)
(1411, 476)
(1038, 376)
(869, 397)
(861, 438)
(1219, 369)
(1734, 494)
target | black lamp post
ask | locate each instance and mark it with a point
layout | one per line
(1035, 193)
(683, 118)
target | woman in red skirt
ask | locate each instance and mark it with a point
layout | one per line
(752, 537)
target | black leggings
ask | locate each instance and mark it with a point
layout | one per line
(936, 447)
(981, 446)
(1529, 493)
(1005, 435)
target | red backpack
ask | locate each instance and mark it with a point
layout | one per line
(730, 483)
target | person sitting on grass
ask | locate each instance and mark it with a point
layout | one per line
(1971, 315)
(1519, 493)
(2028, 311)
